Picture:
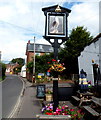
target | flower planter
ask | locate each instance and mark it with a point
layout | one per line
(49, 97)
(53, 117)
(64, 110)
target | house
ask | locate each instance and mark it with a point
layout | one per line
(90, 59)
(40, 49)
(10, 67)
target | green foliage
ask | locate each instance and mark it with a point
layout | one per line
(30, 67)
(20, 61)
(41, 65)
(78, 39)
(17, 69)
(2, 70)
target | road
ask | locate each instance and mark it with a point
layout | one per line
(11, 89)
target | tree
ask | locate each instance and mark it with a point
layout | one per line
(78, 39)
(2, 70)
(41, 65)
(20, 61)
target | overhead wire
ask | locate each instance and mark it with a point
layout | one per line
(33, 17)
(14, 25)
(37, 32)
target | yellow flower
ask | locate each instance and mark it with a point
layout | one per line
(57, 67)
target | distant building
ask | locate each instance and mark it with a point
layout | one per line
(40, 49)
(90, 56)
(10, 67)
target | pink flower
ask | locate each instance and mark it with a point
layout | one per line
(63, 113)
(66, 106)
(58, 113)
(59, 110)
(63, 107)
(75, 114)
(79, 111)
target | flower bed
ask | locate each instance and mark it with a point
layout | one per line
(76, 114)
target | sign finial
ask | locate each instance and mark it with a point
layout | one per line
(58, 9)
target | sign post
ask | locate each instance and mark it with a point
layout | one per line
(56, 28)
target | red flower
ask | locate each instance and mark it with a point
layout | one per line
(48, 70)
(53, 60)
(47, 113)
(71, 109)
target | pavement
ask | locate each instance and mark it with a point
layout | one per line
(29, 105)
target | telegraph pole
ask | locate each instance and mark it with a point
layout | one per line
(33, 79)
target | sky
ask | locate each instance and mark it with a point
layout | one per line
(21, 20)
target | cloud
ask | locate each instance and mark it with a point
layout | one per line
(15, 49)
(21, 20)
(86, 15)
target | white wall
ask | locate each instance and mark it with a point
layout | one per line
(100, 32)
(90, 53)
(100, 54)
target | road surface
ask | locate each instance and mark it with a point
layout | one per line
(11, 89)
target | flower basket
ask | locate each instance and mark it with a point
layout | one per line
(55, 68)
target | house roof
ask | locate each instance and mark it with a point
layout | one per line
(93, 40)
(96, 38)
(39, 48)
